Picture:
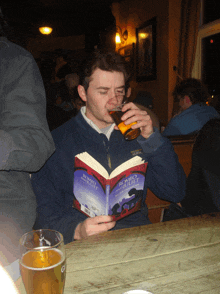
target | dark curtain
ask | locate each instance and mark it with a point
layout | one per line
(190, 13)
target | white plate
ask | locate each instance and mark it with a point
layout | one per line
(137, 292)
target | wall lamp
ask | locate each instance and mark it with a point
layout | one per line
(45, 30)
(119, 37)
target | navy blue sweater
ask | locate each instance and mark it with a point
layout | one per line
(53, 184)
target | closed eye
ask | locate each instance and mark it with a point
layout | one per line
(120, 92)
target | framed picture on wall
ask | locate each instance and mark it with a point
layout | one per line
(128, 53)
(146, 51)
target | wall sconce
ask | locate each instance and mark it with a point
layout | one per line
(119, 37)
(45, 30)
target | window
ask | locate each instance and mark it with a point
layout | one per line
(211, 60)
(211, 11)
(207, 59)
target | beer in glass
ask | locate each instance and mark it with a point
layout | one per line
(42, 264)
(126, 130)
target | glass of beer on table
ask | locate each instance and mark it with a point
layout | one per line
(126, 130)
(43, 262)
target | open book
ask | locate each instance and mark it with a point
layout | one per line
(98, 193)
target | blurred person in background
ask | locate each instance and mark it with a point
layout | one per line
(192, 96)
(62, 67)
(25, 141)
(66, 92)
(63, 101)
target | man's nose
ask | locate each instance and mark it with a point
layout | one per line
(115, 96)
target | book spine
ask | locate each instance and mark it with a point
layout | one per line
(107, 198)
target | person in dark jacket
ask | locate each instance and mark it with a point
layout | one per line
(25, 142)
(102, 87)
(203, 182)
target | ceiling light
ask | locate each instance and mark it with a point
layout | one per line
(45, 30)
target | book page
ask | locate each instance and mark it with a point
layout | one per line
(93, 163)
(126, 165)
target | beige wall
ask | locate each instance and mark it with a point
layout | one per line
(130, 14)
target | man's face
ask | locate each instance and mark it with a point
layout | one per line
(106, 90)
(181, 103)
(184, 102)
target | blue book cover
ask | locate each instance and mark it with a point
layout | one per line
(98, 193)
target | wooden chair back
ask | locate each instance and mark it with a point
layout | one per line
(183, 146)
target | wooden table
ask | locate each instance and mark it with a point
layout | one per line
(175, 257)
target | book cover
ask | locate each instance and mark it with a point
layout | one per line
(98, 193)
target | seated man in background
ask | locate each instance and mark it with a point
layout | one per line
(102, 87)
(25, 142)
(194, 112)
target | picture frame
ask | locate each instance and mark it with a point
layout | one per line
(146, 51)
(128, 52)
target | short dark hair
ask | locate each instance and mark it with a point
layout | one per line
(107, 61)
(192, 88)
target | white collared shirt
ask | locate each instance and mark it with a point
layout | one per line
(94, 126)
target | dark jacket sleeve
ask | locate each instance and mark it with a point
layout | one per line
(55, 209)
(165, 175)
(25, 139)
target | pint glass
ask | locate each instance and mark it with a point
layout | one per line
(126, 130)
(43, 263)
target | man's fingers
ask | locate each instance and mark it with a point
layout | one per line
(101, 219)
(93, 226)
(103, 227)
(142, 118)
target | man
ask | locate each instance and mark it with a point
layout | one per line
(194, 112)
(25, 142)
(103, 86)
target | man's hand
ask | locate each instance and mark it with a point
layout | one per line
(93, 226)
(135, 114)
